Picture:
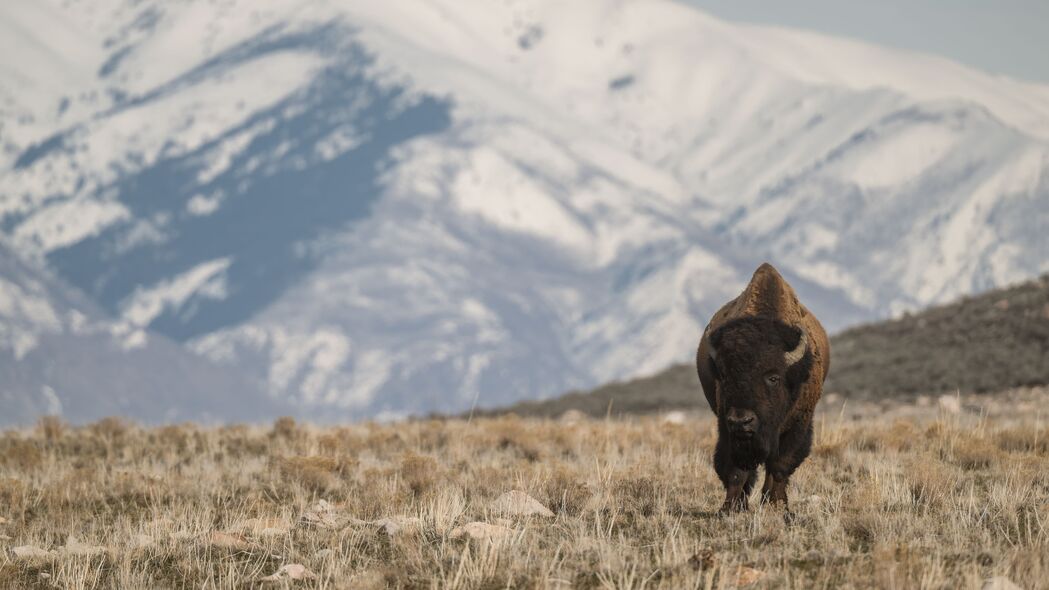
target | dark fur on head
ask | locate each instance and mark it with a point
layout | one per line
(747, 360)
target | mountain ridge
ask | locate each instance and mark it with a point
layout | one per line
(391, 209)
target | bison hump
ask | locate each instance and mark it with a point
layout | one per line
(769, 294)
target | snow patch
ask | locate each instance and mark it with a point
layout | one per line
(495, 189)
(201, 205)
(899, 156)
(66, 223)
(207, 279)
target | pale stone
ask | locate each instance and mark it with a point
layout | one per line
(950, 404)
(231, 542)
(291, 571)
(29, 553)
(676, 417)
(573, 417)
(480, 530)
(397, 525)
(518, 503)
(323, 515)
(78, 549)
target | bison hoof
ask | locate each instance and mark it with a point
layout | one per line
(775, 498)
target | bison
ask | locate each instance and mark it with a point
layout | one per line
(762, 361)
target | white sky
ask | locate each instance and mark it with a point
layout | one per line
(1009, 37)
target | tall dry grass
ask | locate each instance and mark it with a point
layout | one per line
(942, 502)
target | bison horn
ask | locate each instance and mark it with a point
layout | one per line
(799, 350)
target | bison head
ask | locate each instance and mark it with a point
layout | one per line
(759, 365)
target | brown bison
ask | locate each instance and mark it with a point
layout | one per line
(762, 361)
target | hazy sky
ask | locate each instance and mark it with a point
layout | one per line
(1010, 37)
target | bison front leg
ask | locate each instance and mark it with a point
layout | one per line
(794, 447)
(738, 481)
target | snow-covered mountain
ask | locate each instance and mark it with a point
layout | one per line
(60, 354)
(376, 208)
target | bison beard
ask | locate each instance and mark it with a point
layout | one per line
(762, 361)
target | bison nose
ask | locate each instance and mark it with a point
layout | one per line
(740, 420)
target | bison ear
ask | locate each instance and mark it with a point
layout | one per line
(715, 340)
(712, 366)
(712, 344)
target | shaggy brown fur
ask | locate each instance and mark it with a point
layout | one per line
(751, 333)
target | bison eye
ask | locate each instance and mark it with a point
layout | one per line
(772, 379)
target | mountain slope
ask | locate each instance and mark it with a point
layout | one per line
(60, 355)
(986, 343)
(422, 205)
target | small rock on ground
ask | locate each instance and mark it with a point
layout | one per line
(480, 530)
(573, 417)
(950, 404)
(398, 524)
(292, 571)
(229, 541)
(29, 553)
(323, 515)
(675, 417)
(518, 503)
(78, 549)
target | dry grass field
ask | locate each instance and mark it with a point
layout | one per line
(922, 496)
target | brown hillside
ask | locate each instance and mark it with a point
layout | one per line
(984, 343)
